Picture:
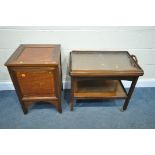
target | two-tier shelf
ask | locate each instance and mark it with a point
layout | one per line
(98, 75)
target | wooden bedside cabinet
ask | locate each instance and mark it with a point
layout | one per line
(35, 71)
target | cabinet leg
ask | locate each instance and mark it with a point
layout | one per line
(24, 108)
(58, 106)
(132, 87)
(25, 111)
(59, 109)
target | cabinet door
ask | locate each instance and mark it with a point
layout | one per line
(36, 82)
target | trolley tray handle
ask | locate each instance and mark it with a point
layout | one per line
(135, 58)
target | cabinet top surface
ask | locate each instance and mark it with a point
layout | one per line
(104, 61)
(40, 54)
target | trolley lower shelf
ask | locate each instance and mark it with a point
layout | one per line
(92, 88)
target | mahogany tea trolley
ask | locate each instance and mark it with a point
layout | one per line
(98, 75)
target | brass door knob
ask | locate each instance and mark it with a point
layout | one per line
(23, 75)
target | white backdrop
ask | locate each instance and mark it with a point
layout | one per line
(137, 40)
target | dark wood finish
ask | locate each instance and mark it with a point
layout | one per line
(101, 79)
(133, 84)
(36, 74)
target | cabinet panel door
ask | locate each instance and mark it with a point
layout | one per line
(36, 82)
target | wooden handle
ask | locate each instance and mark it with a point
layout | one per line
(135, 58)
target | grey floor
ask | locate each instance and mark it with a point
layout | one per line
(88, 114)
